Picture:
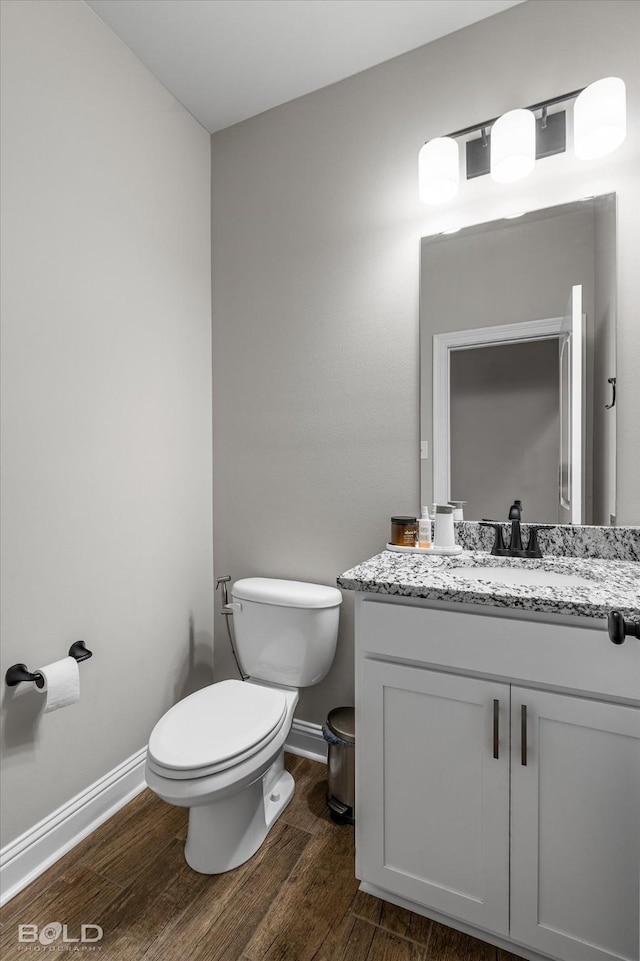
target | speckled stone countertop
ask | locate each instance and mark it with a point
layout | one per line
(615, 585)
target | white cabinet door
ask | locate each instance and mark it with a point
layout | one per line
(575, 826)
(433, 799)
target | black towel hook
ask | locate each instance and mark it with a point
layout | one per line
(20, 672)
(612, 381)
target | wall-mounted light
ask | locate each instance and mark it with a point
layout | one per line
(510, 145)
(439, 170)
(600, 118)
(513, 147)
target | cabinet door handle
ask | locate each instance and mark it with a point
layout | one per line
(496, 728)
(523, 735)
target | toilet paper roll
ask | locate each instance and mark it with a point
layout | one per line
(61, 683)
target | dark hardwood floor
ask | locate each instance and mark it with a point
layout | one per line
(296, 900)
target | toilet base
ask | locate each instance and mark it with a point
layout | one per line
(225, 834)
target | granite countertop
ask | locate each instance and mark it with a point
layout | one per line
(615, 584)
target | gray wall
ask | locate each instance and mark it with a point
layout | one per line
(316, 227)
(106, 399)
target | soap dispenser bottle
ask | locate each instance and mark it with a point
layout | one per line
(458, 510)
(444, 533)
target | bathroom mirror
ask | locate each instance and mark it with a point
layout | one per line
(517, 365)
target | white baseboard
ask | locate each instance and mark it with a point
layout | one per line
(37, 849)
(24, 859)
(306, 740)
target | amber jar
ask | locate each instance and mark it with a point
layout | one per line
(404, 531)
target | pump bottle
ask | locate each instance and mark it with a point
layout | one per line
(424, 529)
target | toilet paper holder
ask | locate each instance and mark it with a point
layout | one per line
(20, 672)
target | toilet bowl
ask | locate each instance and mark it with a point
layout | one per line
(233, 801)
(220, 751)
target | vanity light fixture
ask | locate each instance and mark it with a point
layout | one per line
(510, 145)
(439, 170)
(600, 120)
(513, 147)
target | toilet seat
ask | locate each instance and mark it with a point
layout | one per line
(216, 728)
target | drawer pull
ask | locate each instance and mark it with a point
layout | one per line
(523, 735)
(496, 728)
(619, 628)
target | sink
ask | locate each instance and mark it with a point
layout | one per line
(524, 577)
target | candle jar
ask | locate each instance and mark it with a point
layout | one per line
(404, 531)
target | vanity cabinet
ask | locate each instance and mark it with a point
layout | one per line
(498, 776)
(575, 826)
(436, 799)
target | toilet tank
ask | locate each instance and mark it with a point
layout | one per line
(286, 631)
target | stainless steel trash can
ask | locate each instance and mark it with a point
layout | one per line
(340, 734)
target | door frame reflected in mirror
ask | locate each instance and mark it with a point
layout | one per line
(443, 344)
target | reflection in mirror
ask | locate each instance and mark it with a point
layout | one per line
(517, 348)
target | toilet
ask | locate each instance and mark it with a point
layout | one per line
(220, 751)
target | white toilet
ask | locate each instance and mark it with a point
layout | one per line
(220, 751)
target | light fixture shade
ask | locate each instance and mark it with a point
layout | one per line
(600, 118)
(513, 146)
(439, 170)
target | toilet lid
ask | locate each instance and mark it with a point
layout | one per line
(216, 724)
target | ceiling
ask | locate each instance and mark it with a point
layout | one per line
(227, 60)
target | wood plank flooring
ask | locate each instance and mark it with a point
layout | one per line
(296, 900)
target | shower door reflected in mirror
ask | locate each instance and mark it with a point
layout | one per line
(507, 408)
